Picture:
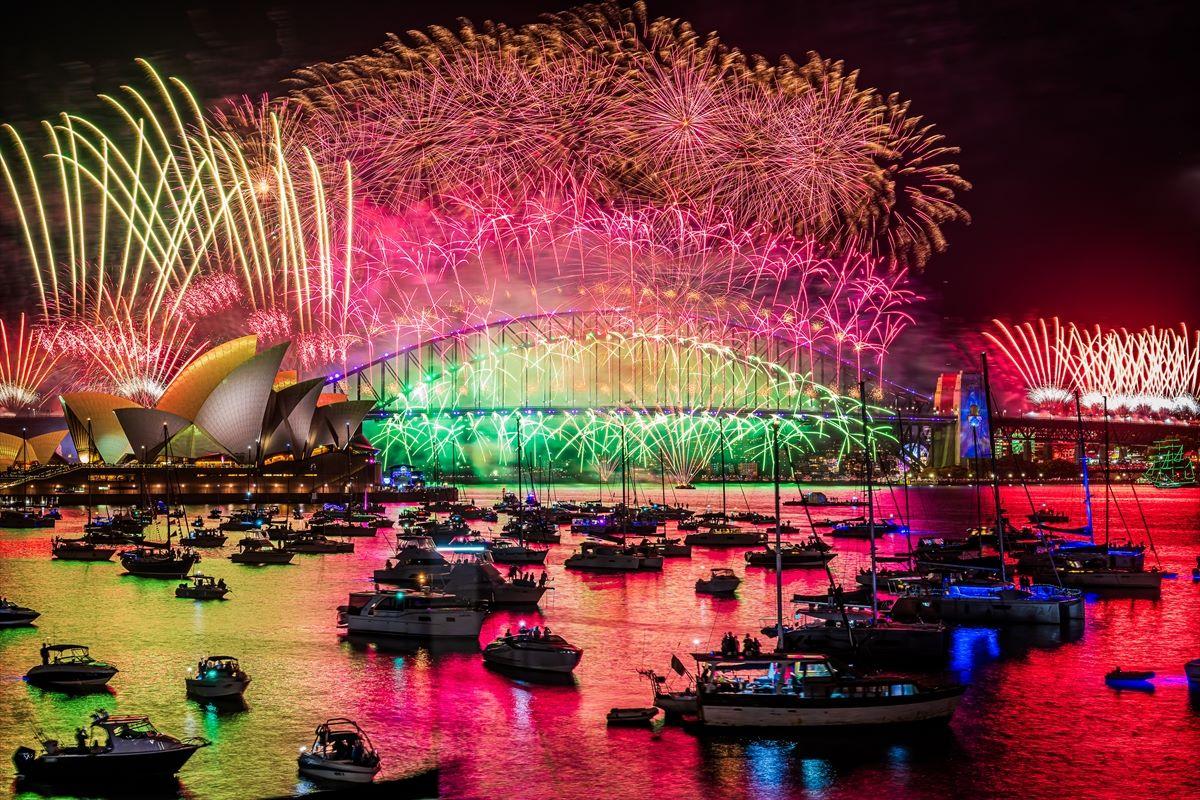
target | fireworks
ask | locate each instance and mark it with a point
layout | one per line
(27, 364)
(1157, 370)
(596, 160)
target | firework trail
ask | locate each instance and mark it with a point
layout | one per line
(28, 363)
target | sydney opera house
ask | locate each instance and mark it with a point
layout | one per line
(230, 424)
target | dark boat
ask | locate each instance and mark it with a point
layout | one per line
(159, 562)
(790, 555)
(200, 536)
(69, 667)
(132, 753)
(79, 550)
(15, 518)
(259, 552)
(14, 616)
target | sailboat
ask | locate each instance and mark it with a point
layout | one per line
(778, 690)
(858, 630)
(151, 560)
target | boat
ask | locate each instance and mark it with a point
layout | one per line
(200, 536)
(806, 691)
(424, 614)
(674, 548)
(202, 587)
(305, 542)
(159, 562)
(726, 536)
(79, 550)
(993, 603)
(16, 518)
(474, 577)
(507, 551)
(631, 716)
(216, 678)
(860, 529)
(246, 520)
(685, 486)
(1118, 676)
(341, 752)
(69, 667)
(132, 753)
(14, 616)
(260, 552)
(789, 555)
(674, 704)
(1192, 671)
(341, 527)
(609, 557)
(719, 581)
(1046, 514)
(857, 634)
(415, 561)
(533, 650)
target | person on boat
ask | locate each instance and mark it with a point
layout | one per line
(508, 634)
(221, 583)
(80, 738)
(542, 580)
(546, 632)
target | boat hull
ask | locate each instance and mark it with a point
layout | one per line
(261, 559)
(961, 609)
(17, 619)
(425, 624)
(339, 771)
(880, 644)
(173, 568)
(767, 711)
(102, 768)
(216, 689)
(71, 678)
(532, 660)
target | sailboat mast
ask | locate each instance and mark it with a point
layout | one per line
(1107, 477)
(624, 469)
(778, 537)
(987, 401)
(1087, 485)
(905, 464)
(721, 433)
(520, 494)
(862, 399)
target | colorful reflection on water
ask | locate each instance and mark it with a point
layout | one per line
(1037, 720)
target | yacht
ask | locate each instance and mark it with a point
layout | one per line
(17, 518)
(608, 557)
(416, 561)
(722, 535)
(159, 562)
(305, 542)
(202, 587)
(790, 555)
(341, 752)
(861, 529)
(425, 614)
(260, 552)
(530, 650)
(131, 753)
(993, 603)
(475, 577)
(200, 536)
(859, 634)
(1082, 565)
(14, 616)
(807, 691)
(719, 581)
(217, 677)
(341, 527)
(79, 550)
(674, 548)
(69, 667)
(507, 551)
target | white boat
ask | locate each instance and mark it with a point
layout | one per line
(416, 561)
(341, 752)
(726, 536)
(531, 650)
(423, 614)
(719, 581)
(605, 557)
(508, 551)
(994, 603)
(217, 677)
(69, 667)
(807, 691)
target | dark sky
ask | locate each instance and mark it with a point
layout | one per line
(1078, 121)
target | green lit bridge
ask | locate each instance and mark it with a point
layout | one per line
(669, 391)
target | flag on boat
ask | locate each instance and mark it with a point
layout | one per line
(677, 665)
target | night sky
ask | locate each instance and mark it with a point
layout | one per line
(1077, 121)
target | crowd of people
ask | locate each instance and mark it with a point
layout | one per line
(749, 647)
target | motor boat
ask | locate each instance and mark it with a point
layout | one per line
(674, 704)
(1047, 514)
(424, 614)
(341, 752)
(217, 677)
(1192, 671)
(859, 634)
(722, 535)
(132, 753)
(79, 550)
(69, 667)
(200, 536)
(776, 690)
(533, 650)
(674, 548)
(608, 557)
(415, 562)
(260, 552)
(14, 616)
(214, 513)
(507, 551)
(203, 587)
(1129, 678)
(991, 602)
(719, 581)
(790, 555)
(861, 529)
(305, 542)
(475, 577)
(17, 518)
(159, 562)
(631, 716)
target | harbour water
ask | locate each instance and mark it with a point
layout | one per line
(1037, 720)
